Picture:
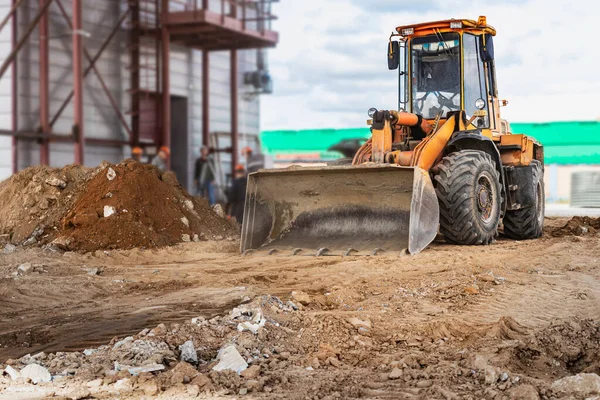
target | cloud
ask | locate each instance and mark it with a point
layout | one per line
(329, 67)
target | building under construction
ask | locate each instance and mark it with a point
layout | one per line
(83, 81)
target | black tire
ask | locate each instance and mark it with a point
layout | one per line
(468, 188)
(528, 223)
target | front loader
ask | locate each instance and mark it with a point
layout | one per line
(444, 162)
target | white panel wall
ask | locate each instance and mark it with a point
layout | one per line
(5, 99)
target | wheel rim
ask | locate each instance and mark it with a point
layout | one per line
(485, 199)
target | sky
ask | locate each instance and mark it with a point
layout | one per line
(330, 64)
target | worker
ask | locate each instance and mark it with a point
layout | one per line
(161, 160)
(237, 194)
(204, 175)
(253, 162)
(137, 153)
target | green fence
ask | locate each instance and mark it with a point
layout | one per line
(565, 142)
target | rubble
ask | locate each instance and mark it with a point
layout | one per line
(230, 359)
(25, 269)
(36, 373)
(579, 386)
(188, 352)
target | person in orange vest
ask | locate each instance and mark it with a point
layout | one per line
(161, 159)
(137, 153)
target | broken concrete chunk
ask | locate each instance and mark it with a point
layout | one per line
(9, 248)
(120, 343)
(185, 221)
(146, 368)
(189, 204)
(36, 373)
(111, 174)
(63, 242)
(218, 209)
(13, 373)
(108, 211)
(230, 358)
(186, 238)
(188, 352)
(25, 269)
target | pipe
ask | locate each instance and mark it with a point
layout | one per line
(44, 89)
(78, 127)
(408, 119)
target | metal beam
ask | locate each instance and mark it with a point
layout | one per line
(13, 9)
(135, 72)
(78, 126)
(165, 139)
(44, 85)
(234, 111)
(15, 91)
(90, 66)
(22, 41)
(206, 98)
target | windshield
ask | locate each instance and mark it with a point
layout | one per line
(435, 70)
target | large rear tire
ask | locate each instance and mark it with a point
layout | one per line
(468, 187)
(528, 223)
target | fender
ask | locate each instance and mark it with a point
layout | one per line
(474, 140)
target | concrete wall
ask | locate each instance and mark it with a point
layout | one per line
(557, 179)
(100, 119)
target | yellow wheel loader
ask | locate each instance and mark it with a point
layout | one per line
(445, 162)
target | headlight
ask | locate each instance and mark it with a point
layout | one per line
(480, 104)
(456, 25)
(408, 31)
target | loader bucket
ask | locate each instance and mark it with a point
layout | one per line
(341, 210)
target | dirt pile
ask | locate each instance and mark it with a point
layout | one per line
(109, 207)
(132, 205)
(578, 226)
(34, 201)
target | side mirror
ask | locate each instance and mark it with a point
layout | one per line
(486, 46)
(393, 55)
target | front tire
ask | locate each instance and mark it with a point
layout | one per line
(528, 223)
(468, 188)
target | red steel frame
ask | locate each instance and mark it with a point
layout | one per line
(194, 25)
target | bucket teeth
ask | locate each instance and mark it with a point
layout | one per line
(322, 251)
(297, 251)
(272, 251)
(349, 252)
(377, 251)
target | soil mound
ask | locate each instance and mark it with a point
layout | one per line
(109, 207)
(34, 201)
(577, 226)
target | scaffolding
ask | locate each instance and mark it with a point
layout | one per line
(151, 25)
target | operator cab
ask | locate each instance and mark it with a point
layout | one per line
(447, 66)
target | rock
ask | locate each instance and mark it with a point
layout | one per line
(9, 248)
(189, 205)
(120, 343)
(30, 241)
(56, 182)
(96, 383)
(123, 386)
(146, 368)
(13, 373)
(359, 323)
(108, 211)
(186, 238)
(25, 269)
(219, 210)
(196, 238)
(77, 393)
(88, 352)
(230, 358)
(252, 372)
(185, 221)
(491, 375)
(301, 297)
(188, 352)
(395, 374)
(424, 384)
(243, 391)
(183, 373)
(193, 390)
(580, 385)
(333, 361)
(471, 290)
(63, 242)
(111, 174)
(36, 373)
(201, 380)
(504, 377)
(160, 330)
(253, 385)
(523, 392)
(149, 387)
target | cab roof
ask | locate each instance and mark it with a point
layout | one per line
(449, 25)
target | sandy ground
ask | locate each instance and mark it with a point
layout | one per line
(437, 316)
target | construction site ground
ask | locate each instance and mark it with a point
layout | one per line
(499, 321)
